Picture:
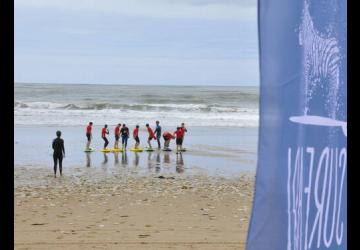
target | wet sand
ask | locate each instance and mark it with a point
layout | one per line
(223, 151)
(157, 211)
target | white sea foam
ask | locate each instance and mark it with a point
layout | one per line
(112, 116)
(81, 104)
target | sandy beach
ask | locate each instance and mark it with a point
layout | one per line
(81, 211)
(200, 199)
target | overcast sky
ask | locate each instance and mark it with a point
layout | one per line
(182, 42)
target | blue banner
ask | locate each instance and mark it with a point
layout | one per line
(301, 188)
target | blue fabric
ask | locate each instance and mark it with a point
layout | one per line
(158, 130)
(124, 140)
(300, 188)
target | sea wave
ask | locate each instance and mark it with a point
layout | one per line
(59, 116)
(63, 105)
(18, 105)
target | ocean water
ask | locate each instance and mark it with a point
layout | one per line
(72, 105)
(222, 125)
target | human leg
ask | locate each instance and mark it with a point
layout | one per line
(60, 164)
(166, 144)
(55, 164)
(116, 142)
(105, 142)
(126, 139)
(88, 141)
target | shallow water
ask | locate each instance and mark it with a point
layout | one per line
(215, 151)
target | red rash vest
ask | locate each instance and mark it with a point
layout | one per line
(117, 130)
(136, 132)
(179, 133)
(151, 133)
(103, 132)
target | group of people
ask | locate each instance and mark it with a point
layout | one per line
(121, 130)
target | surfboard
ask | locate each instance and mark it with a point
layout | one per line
(89, 150)
(149, 149)
(105, 150)
(167, 149)
(116, 150)
(183, 150)
(136, 149)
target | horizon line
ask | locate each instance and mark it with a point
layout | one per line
(139, 84)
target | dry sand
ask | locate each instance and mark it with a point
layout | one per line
(131, 212)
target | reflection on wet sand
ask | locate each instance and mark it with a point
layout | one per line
(136, 159)
(124, 158)
(179, 163)
(149, 162)
(116, 158)
(88, 159)
(167, 157)
(158, 162)
(105, 159)
(154, 160)
(104, 163)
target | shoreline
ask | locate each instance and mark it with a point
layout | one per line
(157, 211)
(214, 150)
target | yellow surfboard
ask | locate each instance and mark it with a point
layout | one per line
(136, 149)
(116, 150)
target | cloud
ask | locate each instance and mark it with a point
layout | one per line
(199, 9)
(135, 41)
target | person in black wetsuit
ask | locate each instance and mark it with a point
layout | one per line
(59, 152)
(158, 133)
(124, 136)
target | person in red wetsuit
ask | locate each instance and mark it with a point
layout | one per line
(104, 132)
(179, 133)
(151, 134)
(136, 136)
(167, 138)
(117, 135)
(88, 135)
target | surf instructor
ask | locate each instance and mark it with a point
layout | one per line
(59, 152)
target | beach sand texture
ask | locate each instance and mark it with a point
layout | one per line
(131, 212)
